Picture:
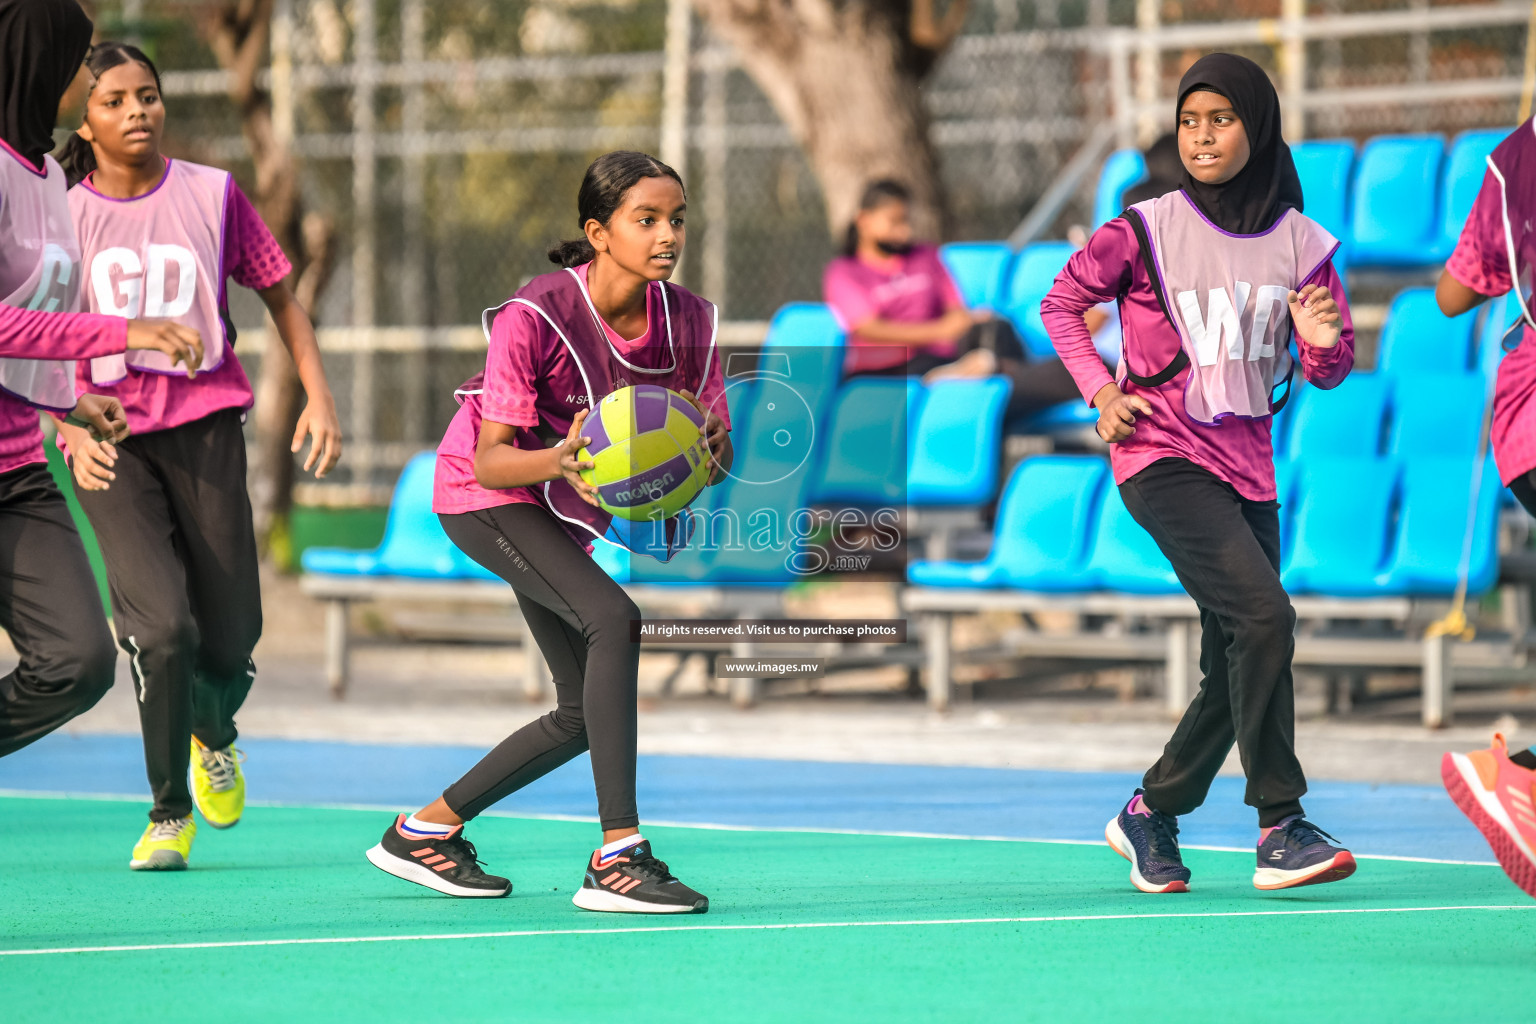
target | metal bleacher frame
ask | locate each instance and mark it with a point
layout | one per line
(1177, 648)
(339, 593)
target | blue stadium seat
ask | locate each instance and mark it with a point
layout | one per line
(1501, 313)
(1325, 166)
(1437, 414)
(1122, 169)
(1395, 220)
(1032, 275)
(612, 559)
(864, 453)
(786, 390)
(1280, 423)
(414, 542)
(1286, 473)
(1340, 530)
(1432, 525)
(978, 269)
(1465, 164)
(958, 442)
(1041, 532)
(1123, 557)
(1418, 338)
(1067, 416)
(1348, 420)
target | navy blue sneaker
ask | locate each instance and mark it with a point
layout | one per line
(1150, 841)
(1297, 852)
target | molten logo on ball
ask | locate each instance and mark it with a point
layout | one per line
(650, 460)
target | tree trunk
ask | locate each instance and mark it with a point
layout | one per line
(845, 77)
(238, 32)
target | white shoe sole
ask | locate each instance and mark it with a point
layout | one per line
(160, 860)
(1115, 835)
(421, 875)
(1335, 869)
(612, 903)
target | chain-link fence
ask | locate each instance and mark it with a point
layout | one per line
(446, 140)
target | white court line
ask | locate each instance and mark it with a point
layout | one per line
(792, 926)
(34, 794)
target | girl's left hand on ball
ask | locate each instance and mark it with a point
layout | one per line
(1316, 316)
(714, 433)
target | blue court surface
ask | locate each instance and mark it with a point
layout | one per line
(1382, 820)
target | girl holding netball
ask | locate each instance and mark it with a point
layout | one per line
(510, 495)
(48, 599)
(1212, 281)
(160, 238)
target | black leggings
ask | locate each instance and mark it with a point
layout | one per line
(1037, 384)
(1525, 490)
(175, 531)
(50, 607)
(1226, 551)
(580, 619)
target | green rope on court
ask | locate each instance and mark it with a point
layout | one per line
(296, 873)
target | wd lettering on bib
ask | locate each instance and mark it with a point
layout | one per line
(1222, 322)
(1235, 329)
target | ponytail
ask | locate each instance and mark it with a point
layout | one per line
(603, 188)
(573, 253)
(78, 160)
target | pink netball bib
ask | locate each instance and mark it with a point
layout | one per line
(39, 269)
(688, 328)
(1513, 165)
(1226, 295)
(158, 256)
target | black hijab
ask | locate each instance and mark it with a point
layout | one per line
(42, 45)
(1267, 185)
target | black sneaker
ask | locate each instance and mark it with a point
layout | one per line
(448, 864)
(1297, 852)
(634, 882)
(1150, 841)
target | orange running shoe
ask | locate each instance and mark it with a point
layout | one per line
(1496, 793)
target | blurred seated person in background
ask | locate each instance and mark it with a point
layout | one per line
(904, 316)
(1164, 165)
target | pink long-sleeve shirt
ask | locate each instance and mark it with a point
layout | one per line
(1481, 262)
(1237, 450)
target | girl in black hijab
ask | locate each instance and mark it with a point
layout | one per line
(48, 598)
(1212, 279)
(1255, 197)
(42, 46)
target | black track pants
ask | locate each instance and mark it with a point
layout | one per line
(175, 531)
(50, 607)
(1226, 551)
(580, 619)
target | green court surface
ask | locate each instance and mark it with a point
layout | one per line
(281, 918)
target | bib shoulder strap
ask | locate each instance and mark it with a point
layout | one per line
(1144, 246)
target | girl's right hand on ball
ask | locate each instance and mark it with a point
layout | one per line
(1118, 412)
(182, 344)
(571, 463)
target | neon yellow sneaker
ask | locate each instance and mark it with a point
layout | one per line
(218, 785)
(164, 846)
